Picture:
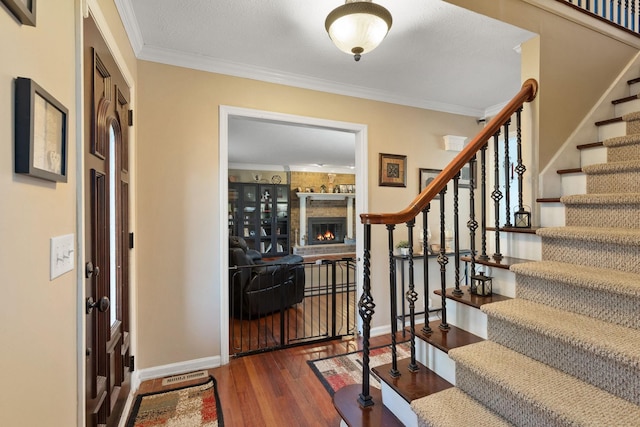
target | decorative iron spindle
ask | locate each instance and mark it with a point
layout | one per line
(472, 224)
(443, 261)
(456, 231)
(426, 329)
(496, 194)
(412, 297)
(483, 201)
(507, 176)
(366, 308)
(393, 287)
(520, 168)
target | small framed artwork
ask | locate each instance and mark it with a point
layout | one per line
(465, 177)
(393, 170)
(41, 124)
(24, 10)
(426, 176)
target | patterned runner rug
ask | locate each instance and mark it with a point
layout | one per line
(336, 372)
(190, 406)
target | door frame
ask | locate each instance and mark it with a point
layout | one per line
(84, 8)
(360, 132)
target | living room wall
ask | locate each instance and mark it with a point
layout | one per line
(178, 198)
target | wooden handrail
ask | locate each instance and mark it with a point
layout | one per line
(527, 93)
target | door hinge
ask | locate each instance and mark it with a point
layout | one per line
(130, 117)
(132, 365)
(130, 240)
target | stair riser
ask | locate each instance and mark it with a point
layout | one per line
(627, 107)
(396, 404)
(436, 360)
(601, 371)
(515, 245)
(593, 156)
(574, 183)
(503, 401)
(632, 126)
(603, 255)
(599, 304)
(620, 182)
(552, 215)
(620, 216)
(612, 130)
(623, 153)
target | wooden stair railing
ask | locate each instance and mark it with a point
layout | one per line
(421, 204)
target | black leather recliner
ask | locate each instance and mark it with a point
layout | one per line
(258, 287)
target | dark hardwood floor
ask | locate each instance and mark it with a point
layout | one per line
(276, 388)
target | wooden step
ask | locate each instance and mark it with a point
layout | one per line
(470, 299)
(548, 200)
(633, 81)
(346, 403)
(590, 145)
(567, 171)
(505, 263)
(609, 121)
(446, 340)
(412, 385)
(625, 99)
(530, 230)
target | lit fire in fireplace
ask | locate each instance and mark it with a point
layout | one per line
(328, 235)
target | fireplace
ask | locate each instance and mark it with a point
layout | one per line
(326, 230)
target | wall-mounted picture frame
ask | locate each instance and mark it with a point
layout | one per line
(24, 10)
(41, 124)
(426, 176)
(465, 177)
(393, 170)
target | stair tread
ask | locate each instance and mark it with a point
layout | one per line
(378, 415)
(596, 199)
(470, 299)
(446, 340)
(505, 263)
(608, 121)
(622, 140)
(545, 388)
(412, 385)
(454, 407)
(620, 236)
(625, 99)
(530, 230)
(613, 281)
(548, 200)
(568, 171)
(590, 145)
(621, 343)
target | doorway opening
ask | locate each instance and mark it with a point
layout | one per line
(359, 132)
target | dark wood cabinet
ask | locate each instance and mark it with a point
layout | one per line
(259, 213)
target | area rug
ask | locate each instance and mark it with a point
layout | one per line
(335, 372)
(189, 406)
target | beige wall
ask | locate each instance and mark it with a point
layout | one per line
(572, 75)
(177, 191)
(38, 316)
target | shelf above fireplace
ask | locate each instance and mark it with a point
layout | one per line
(325, 196)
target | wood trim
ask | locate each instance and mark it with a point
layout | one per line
(548, 200)
(527, 93)
(568, 171)
(625, 99)
(609, 121)
(590, 145)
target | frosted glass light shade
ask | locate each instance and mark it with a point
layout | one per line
(358, 27)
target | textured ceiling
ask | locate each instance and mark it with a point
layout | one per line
(436, 56)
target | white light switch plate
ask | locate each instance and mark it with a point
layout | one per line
(62, 255)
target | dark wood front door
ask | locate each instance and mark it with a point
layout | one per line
(106, 168)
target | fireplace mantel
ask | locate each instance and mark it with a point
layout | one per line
(348, 197)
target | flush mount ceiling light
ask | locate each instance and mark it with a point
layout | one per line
(358, 26)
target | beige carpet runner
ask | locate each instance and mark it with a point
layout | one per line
(566, 351)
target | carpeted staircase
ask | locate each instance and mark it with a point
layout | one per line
(566, 351)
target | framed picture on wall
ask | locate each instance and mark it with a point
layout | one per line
(24, 10)
(426, 176)
(41, 124)
(465, 177)
(393, 170)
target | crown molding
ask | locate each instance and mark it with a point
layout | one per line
(130, 24)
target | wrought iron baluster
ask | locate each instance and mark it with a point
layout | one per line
(483, 200)
(507, 177)
(393, 287)
(443, 261)
(520, 168)
(496, 195)
(456, 229)
(412, 297)
(426, 329)
(472, 224)
(366, 308)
